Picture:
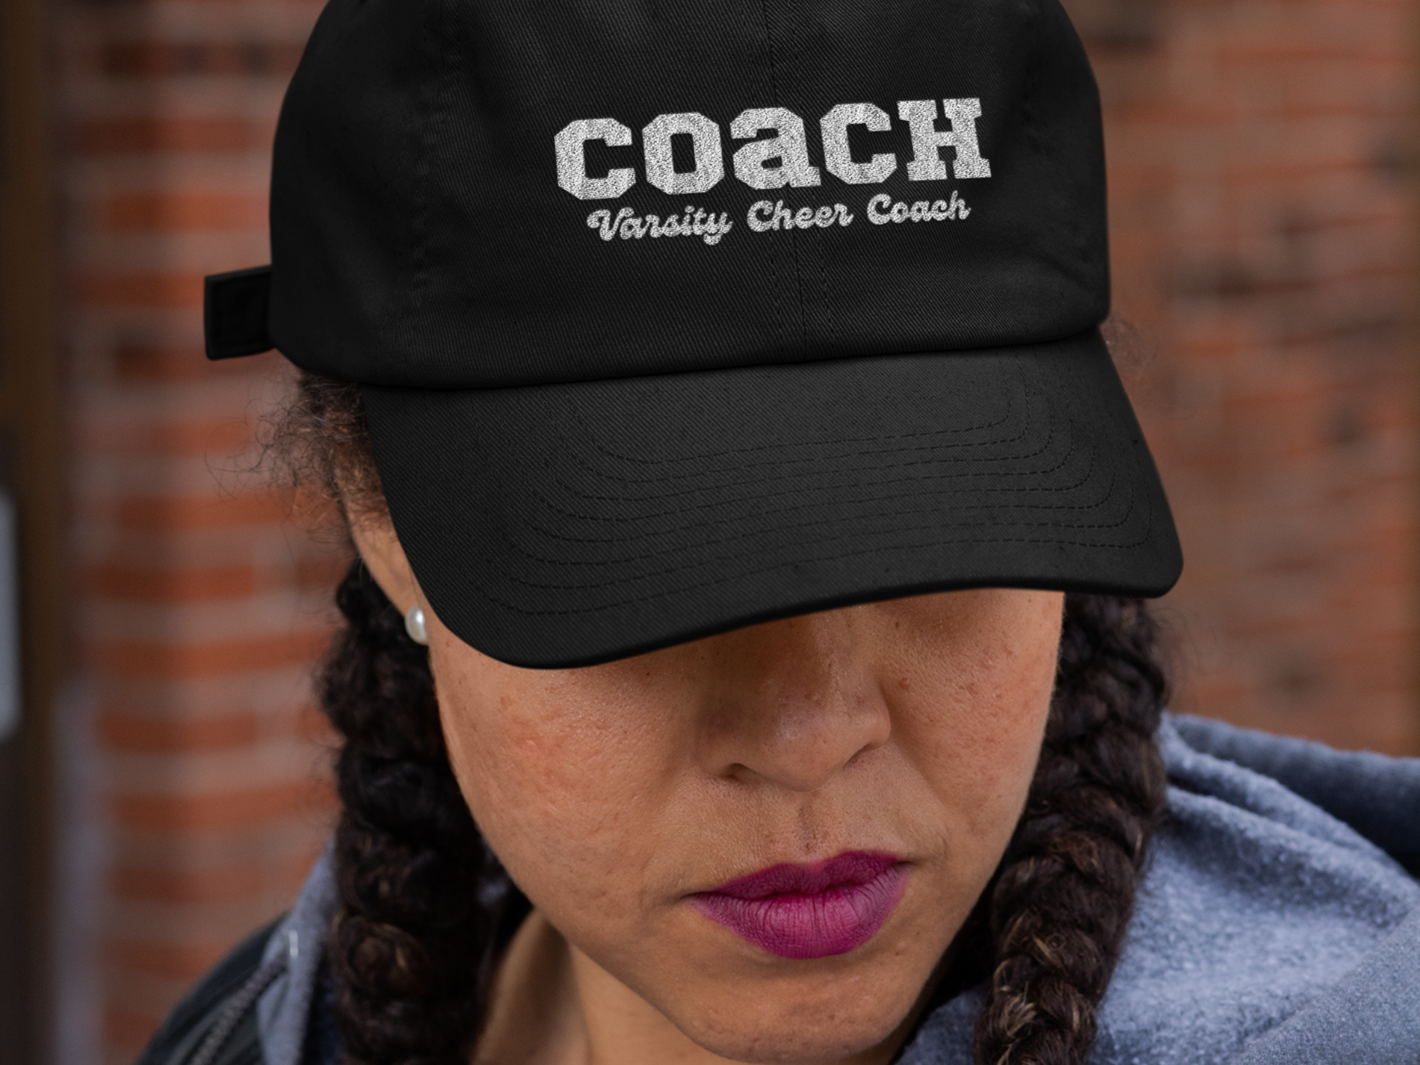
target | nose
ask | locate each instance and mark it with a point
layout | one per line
(790, 702)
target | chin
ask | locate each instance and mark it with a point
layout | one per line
(810, 1038)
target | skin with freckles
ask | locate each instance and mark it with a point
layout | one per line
(614, 793)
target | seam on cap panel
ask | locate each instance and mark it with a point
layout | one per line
(866, 444)
(1029, 119)
(904, 487)
(792, 235)
(1029, 385)
(773, 245)
(676, 550)
(797, 480)
(763, 497)
(833, 523)
(931, 440)
(825, 557)
(430, 105)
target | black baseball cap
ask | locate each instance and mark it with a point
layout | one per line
(673, 317)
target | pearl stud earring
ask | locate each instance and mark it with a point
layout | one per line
(414, 625)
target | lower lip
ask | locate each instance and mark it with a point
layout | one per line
(815, 924)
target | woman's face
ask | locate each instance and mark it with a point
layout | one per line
(882, 753)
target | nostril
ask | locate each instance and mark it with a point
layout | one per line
(792, 701)
(800, 747)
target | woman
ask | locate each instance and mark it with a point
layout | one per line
(744, 660)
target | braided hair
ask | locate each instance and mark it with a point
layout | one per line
(426, 909)
(1064, 891)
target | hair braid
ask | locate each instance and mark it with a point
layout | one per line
(424, 904)
(1065, 890)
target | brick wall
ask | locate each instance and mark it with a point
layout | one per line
(199, 611)
(1263, 227)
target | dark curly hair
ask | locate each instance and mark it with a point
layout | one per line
(426, 909)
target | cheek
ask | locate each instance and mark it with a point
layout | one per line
(974, 722)
(554, 781)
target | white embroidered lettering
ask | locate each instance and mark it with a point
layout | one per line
(660, 165)
(764, 216)
(628, 226)
(571, 146)
(836, 156)
(789, 146)
(715, 228)
(882, 210)
(780, 159)
(603, 221)
(928, 141)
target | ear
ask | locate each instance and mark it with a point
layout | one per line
(378, 545)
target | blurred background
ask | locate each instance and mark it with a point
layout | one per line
(163, 781)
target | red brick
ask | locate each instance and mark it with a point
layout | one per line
(184, 962)
(177, 212)
(226, 434)
(173, 513)
(149, 363)
(127, 1031)
(179, 887)
(169, 586)
(169, 133)
(224, 811)
(125, 290)
(154, 59)
(206, 660)
(312, 724)
(152, 735)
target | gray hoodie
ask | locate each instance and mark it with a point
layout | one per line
(1276, 925)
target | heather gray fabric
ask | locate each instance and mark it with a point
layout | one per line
(1377, 796)
(283, 1012)
(1267, 932)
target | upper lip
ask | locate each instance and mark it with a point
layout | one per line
(851, 867)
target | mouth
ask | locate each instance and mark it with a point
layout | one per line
(810, 911)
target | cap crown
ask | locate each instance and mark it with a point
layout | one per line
(471, 195)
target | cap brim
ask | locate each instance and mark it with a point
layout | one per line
(567, 525)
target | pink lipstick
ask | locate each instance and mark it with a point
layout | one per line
(810, 911)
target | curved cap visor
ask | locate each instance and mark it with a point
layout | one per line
(567, 525)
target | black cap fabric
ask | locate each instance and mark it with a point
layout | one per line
(675, 317)
(423, 234)
(235, 308)
(570, 524)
